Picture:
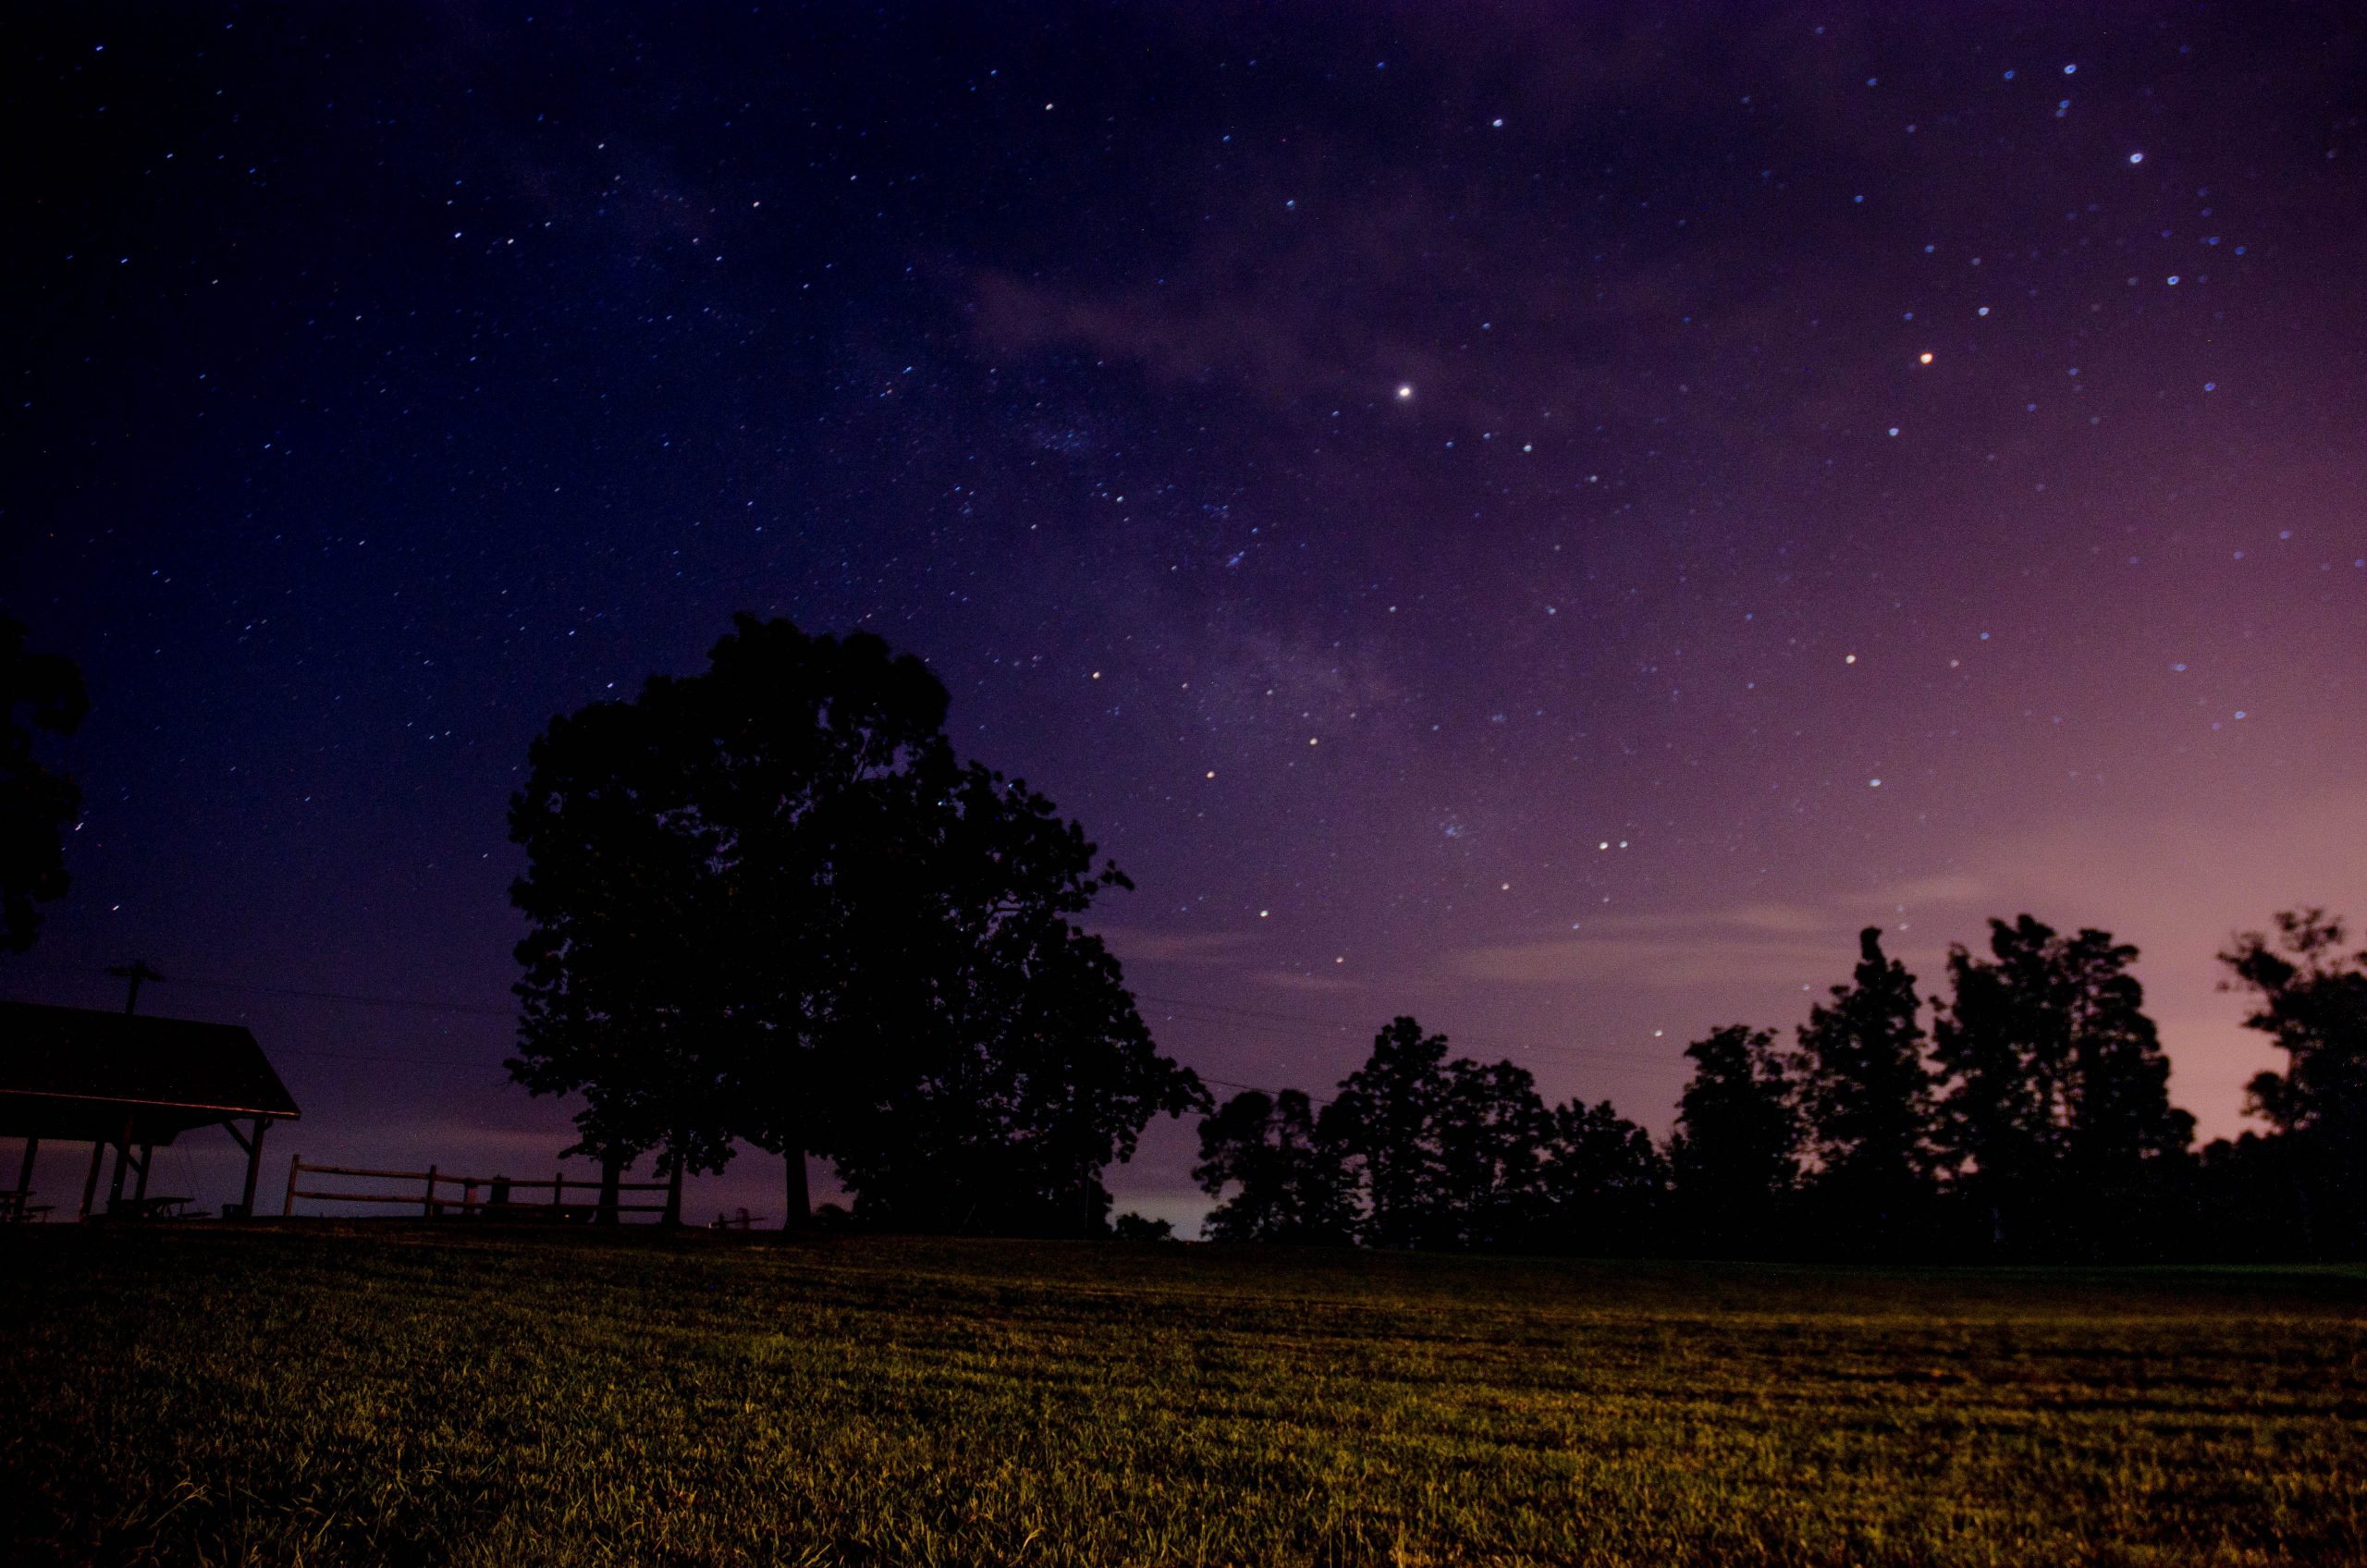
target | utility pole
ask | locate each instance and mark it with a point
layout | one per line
(135, 972)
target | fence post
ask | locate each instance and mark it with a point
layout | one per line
(558, 1193)
(254, 1169)
(288, 1205)
(427, 1205)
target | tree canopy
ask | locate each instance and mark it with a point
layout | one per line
(998, 1063)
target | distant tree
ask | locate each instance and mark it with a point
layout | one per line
(1141, 1228)
(2056, 1125)
(1605, 1183)
(38, 692)
(1287, 1179)
(1734, 1156)
(2127, 1152)
(998, 1062)
(1386, 1121)
(2001, 1043)
(2253, 1202)
(1493, 1132)
(2311, 997)
(1865, 1097)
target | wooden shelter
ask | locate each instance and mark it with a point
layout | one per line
(74, 1075)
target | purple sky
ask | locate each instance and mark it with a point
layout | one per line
(1361, 462)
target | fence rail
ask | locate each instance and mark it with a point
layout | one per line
(471, 1196)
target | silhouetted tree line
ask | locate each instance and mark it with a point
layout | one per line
(768, 905)
(2029, 1119)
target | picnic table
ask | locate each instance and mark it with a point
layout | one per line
(148, 1208)
(15, 1208)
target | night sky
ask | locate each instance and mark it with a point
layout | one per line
(1545, 518)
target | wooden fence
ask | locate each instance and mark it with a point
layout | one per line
(435, 1195)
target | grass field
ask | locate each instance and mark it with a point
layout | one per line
(390, 1395)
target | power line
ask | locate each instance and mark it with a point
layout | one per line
(1258, 1088)
(1574, 1052)
(354, 999)
(1257, 1020)
(1229, 1011)
(379, 1055)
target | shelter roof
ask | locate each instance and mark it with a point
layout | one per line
(72, 1073)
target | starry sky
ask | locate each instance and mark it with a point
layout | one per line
(1545, 518)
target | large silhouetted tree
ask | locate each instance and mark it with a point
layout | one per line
(2056, 1124)
(2309, 996)
(1865, 1097)
(998, 1062)
(1734, 1156)
(1288, 1183)
(38, 692)
(766, 904)
(805, 753)
(1386, 1121)
(1606, 1185)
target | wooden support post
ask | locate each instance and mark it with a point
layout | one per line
(254, 1169)
(559, 1191)
(122, 1157)
(147, 1158)
(288, 1205)
(428, 1208)
(90, 1181)
(673, 1217)
(25, 1171)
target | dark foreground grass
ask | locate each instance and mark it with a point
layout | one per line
(391, 1396)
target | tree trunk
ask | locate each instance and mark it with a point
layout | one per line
(798, 1211)
(672, 1218)
(612, 1172)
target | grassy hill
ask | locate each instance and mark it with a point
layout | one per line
(392, 1394)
